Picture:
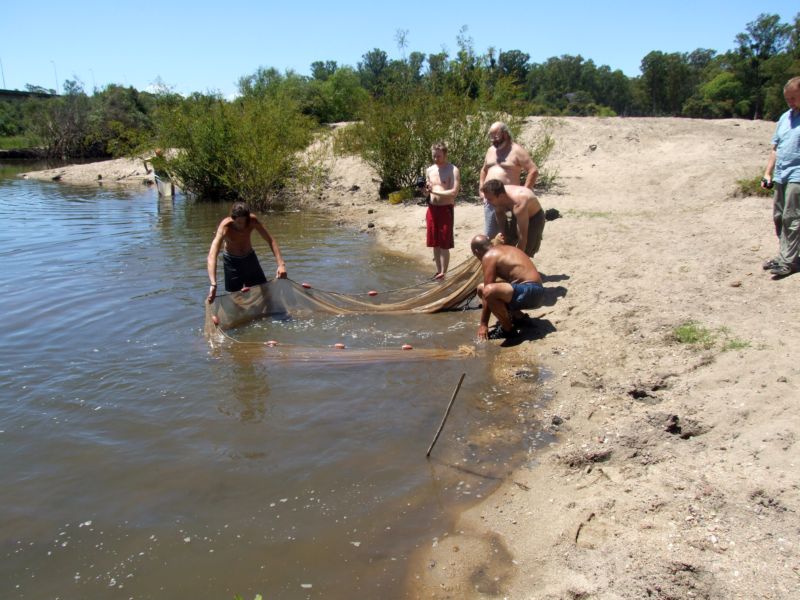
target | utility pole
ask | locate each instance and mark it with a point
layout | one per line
(3, 73)
(55, 73)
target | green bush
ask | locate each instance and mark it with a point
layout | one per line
(17, 142)
(396, 133)
(244, 150)
(751, 187)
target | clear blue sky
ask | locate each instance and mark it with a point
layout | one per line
(207, 46)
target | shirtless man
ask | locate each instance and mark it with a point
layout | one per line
(505, 160)
(443, 181)
(240, 262)
(527, 220)
(520, 289)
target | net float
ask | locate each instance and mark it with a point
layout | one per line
(408, 347)
(306, 285)
(372, 293)
(245, 289)
(271, 343)
(339, 346)
(215, 319)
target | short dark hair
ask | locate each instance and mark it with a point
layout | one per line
(240, 209)
(494, 186)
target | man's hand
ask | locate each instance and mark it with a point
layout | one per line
(766, 183)
(212, 293)
(483, 332)
(281, 272)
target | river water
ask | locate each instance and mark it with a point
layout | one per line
(136, 461)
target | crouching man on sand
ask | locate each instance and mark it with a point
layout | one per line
(240, 262)
(520, 289)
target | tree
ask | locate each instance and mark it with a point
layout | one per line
(322, 70)
(372, 71)
(763, 39)
(514, 64)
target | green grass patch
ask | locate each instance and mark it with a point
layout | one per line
(751, 187)
(695, 334)
(735, 344)
(17, 142)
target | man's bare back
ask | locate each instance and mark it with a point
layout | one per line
(526, 204)
(510, 264)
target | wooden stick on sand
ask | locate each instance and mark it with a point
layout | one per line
(446, 413)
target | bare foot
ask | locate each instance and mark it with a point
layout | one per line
(439, 276)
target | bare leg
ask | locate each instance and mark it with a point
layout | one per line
(445, 253)
(437, 258)
(497, 296)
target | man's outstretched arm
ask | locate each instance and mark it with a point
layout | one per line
(280, 273)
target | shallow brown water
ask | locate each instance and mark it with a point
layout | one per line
(138, 462)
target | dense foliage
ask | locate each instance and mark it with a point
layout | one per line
(111, 122)
(244, 148)
(247, 149)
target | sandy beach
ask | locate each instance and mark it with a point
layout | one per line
(674, 473)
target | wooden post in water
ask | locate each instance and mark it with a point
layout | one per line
(446, 413)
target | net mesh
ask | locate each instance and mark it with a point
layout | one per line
(287, 297)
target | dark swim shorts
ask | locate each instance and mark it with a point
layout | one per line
(526, 295)
(241, 271)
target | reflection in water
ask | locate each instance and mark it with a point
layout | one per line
(249, 391)
(138, 461)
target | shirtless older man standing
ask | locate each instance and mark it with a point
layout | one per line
(505, 161)
(240, 262)
(520, 289)
(527, 221)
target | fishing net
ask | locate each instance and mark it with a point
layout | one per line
(284, 297)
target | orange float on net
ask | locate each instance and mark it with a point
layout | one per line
(372, 293)
(245, 289)
(339, 346)
(215, 319)
(271, 343)
(408, 347)
(306, 285)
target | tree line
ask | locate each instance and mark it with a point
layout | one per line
(412, 100)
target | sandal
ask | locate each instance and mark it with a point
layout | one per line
(498, 333)
(781, 271)
(770, 264)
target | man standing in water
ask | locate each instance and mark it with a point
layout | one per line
(527, 220)
(505, 161)
(520, 289)
(240, 262)
(443, 183)
(783, 172)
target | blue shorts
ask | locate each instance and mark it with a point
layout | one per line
(526, 295)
